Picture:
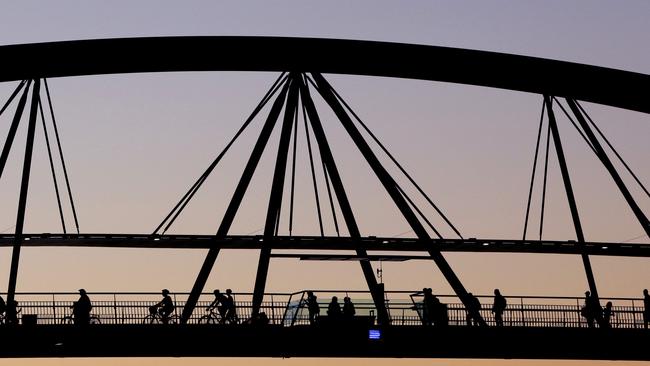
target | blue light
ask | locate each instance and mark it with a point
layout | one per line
(374, 334)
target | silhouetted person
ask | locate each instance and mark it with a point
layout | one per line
(592, 311)
(607, 315)
(217, 303)
(229, 307)
(81, 308)
(499, 307)
(165, 306)
(334, 309)
(312, 307)
(348, 309)
(646, 308)
(473, 307)
(11, 314)
(440, 317)
(428, 306)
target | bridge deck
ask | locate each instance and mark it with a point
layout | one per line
(328, 243)
(306, 341)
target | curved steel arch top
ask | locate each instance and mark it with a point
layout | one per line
(601, 85)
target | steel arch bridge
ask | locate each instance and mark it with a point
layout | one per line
(302, 63)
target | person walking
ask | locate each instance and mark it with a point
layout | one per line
(498, 307)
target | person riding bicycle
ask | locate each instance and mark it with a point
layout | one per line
(218, 303)
(165, 307)
(81, 308)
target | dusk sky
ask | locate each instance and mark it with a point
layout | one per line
(135, 143)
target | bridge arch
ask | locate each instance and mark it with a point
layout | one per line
(617, 88)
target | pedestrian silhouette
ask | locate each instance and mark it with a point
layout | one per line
(440, 315)
(334, 309)
(498, 307)
(591, 311)
(607, 315)
(428, 306)
(348, 309)
(473, 307)
(229, 307)
(312, 307)
(81, 308)
(646, 308)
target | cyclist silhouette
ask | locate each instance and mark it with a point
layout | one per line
(81, 308)
(165, 306)
(218, 304)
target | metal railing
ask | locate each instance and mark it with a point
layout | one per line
(289, 309)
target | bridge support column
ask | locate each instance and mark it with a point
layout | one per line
(277, 190)
(233, 206)
(600, 152)
(346, 209)
(325, 89)
(570, 196)
(24, 186)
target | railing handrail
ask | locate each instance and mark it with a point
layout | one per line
(289, 294)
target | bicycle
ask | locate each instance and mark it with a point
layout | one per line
(155, 317)
(3, 316)
(69, 319)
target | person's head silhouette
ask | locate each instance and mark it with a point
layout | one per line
(645, 292)
(497, 292)
(216, 292)
(228, 292)
(82, 291)
(165, 292)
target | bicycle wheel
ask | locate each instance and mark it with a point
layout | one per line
(174, 319)
(95, 320)
(67, 320)
(207, 319)
(151, 319)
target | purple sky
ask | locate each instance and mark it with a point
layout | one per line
(134, 143)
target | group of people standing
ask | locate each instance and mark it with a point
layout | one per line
(334, 310)
(594, 314)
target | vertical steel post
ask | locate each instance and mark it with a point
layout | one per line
(602, 155)
(24, 187)
(570, 196)
(275, 199)
(346, 208)
(233, 206)
(390, 185)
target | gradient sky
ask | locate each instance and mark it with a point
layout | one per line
(135, 143)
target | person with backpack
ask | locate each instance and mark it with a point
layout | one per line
(499, 307)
